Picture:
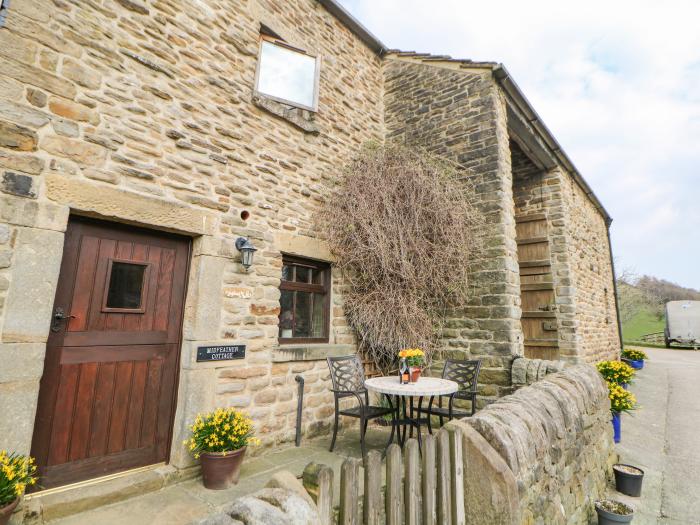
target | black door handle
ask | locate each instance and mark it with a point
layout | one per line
(59, 316)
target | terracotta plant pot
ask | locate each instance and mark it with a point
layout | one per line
(220, 470)
(7, 510)
(415, 374)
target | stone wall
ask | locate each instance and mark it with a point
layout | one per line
(528, 371)
(580, 258)
(541, 455)
(540, 191)
(459, 113)
(143, 112)
(592, 276)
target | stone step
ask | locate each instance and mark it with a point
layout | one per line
(46, 506)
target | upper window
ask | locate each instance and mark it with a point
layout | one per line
(287, 75)
(305, 301)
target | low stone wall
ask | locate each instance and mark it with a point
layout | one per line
(542, 454)
(527, 371)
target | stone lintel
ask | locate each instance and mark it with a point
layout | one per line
(303, 246)
(106, 202)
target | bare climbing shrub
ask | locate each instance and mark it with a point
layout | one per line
(401, 225)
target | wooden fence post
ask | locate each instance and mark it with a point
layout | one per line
(444, 491)
(457, 475)
(318, 482)
(411, 482)
(393, 485)
(349, 492)
(372, 508)
(429, 480)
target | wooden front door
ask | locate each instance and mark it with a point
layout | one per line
(108, 391)
(539, 319)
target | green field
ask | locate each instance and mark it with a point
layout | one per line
(641, 324)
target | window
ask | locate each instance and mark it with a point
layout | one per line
(125, 284)
(287, 75)
(305, 301)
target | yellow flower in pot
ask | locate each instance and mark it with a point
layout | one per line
(219, 440)
(616, 372)
(16, 473)
(415, 358)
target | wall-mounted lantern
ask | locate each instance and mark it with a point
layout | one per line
(247, 250)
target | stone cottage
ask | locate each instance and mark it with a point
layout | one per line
(141, 139)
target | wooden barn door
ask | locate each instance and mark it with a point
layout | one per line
(539, 320)
(107, 394)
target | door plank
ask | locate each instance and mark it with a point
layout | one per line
(80, 432)
(120, 406)
(84, 280)
(150, 409)
(102, 408)
(136, 404)
(65, 404)
(165, 283)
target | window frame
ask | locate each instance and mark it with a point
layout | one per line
(317, 74)
(293, 286)
(145, 283)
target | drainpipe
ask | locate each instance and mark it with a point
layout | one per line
(300, 402)
(608, 222)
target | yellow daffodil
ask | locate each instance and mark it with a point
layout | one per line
(222, 430)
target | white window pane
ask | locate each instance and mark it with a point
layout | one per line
(287, 74)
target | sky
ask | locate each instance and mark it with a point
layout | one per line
(617, 83)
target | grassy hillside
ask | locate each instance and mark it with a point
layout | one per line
(642, 303)
(641, 323)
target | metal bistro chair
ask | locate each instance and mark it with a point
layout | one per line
(466, 374)
(348, 377)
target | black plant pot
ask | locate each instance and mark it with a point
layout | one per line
(627, 482)
(606, 517)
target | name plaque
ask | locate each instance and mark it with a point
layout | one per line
(220, 353)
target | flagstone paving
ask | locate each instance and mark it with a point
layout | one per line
(184, 502)
(663, 439)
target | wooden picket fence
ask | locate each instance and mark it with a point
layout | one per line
(423, 486)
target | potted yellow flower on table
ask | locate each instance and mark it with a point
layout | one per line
(414, 358)
(16, 473)
(219, 440)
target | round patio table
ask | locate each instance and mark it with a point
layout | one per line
(425, 386)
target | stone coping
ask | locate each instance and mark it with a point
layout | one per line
(310, 352)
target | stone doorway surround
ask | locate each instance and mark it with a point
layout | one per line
(38, 228)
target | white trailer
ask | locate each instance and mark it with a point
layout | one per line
(682, 323)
